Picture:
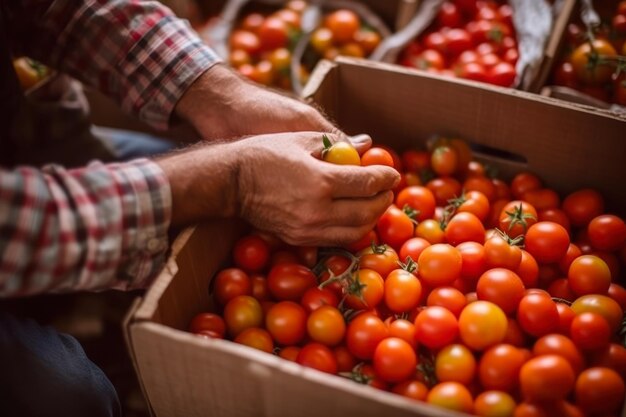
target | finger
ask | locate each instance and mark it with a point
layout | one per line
(361, 142)
(359, 211)
(356, 181)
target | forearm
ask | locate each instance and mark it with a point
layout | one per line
(100, 227)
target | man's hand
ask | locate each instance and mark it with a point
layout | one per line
(278, 184)
(221, 104)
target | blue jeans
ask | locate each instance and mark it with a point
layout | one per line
(128, 144)
(45, 373)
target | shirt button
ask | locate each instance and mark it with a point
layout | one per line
(154, 245)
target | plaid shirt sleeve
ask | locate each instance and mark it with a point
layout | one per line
(99, 227)
(135, 51)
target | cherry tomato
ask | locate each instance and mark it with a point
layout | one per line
(502, 74)
(566, 316)
(449, 15)
(345, 360)
(208, 321)
(499, 367)
(444, 189)
(431, 231)
(546, 378)
(341, 153)
(517, 217)
(602, 305)
(322, 40)
(343, 24)
(370, 292)
(547, 242)
(229, 283)
(403, 291)
(613, 357)
(364, 333)
(542, 198)
(537, 314)
(607, 232)
(590, 331)
(317, 356)
(583, 205)
(589, 274)
(411, 388)
(528, 270)
(251, 253)
(558, 344)
(560, 288)
(368, 40)
(286, 322)
(455, 363)
(337, 265)
(482, 324)
(394, 227)
(289, 353)
(474, 261)
(555, 215)
(502, 287)
(252, 22)
(382, 259)
(413, 248)
(599, 391)
(377, 156)
(290, 281)
(475, 202)
(500, 253)
(315, 298)
(449, 298)
(565, 75)
(523, 182)
(394, 360)
(451, 395)
(428, 59)
(618, 293)
(273, 33)
(585, 61)
(494, 403)
(241, 313)
(436, 327)
(245, 41)
(419, 198)
(326, 326)
(439, 265)
(464, 227)
(256, 338)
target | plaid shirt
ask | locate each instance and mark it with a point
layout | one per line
(102, 226)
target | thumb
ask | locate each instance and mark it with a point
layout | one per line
(361, 142)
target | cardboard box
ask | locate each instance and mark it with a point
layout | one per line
(184, 375)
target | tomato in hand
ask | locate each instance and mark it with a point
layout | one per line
(377, 156)
(340, 153)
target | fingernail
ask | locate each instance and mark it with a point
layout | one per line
(359, 139)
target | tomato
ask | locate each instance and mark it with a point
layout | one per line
(542, 198)
(474, 202)
(230, 283)
(547, 242)
(402, 292)
(464, 227)
(585, 61)
(444, 189)
(449, 298)
(291, 17)
(321, 40)
(317, 356)
(502, 287)
(395, 227)
(439, 264)
(297, 5)
(589, 274)
(345, 360)
(494, 404)
(364, 333)
(528, 270)
(411, 388)
(256, 338)
(289, 353)
(286, 322)
(241, 313)
(572, 253)
(566, 316)
(326, 326)
(337, 265)
(340, 153)
(436, 327)
(613, 357)
(565, 75)
(458, 40)
(403, 329)
(558, 344)
(537, 314)
(315, 298)
(502, 74)
(602, 305)
(377, 156)
(473, 71)
(500, 253)
(368, 40)
(260, 289)
(290, 281)
(343, 24)
(599, 391)
(208, 322)
(370, 291)
(428, 59)
(611, 260)
(431, 231)
(517, 217)
(365, 374)
(607, 232)
(618, 293)
(590, 331)
(560, 288)
(283, 257)
(239, 57)
(246, 41)
(394, 360)
(251, 253)
(273, 33)
(370, 238)
(499, 367)
(413, 248)
(555, 215)
(546, 378)
(280, 59)
(382, 259)
(582, 206)
(449, 15)
(523, 182)
(419, 198)
(482, 324)
(455, 363)
(514, 334)
(451, 395)
(473, 260)
(489, 61)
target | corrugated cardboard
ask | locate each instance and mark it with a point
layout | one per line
(184, 375)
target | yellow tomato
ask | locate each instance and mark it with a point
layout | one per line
(341, 153)
(322, 40)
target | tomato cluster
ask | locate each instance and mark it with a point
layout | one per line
(470, 39)
(595, 60)
(343, 33)
(261, 46)
(471, 293)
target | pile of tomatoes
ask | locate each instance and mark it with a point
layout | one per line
(470, 39)
(471, 293)
(595, 60)
(261, 46)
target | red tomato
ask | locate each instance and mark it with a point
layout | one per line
(546, 378)
(583, 205)
(589, 274)
(451, 395)
(494, 403)
(436, 327)
(439, 265)
(542, 198)
(602, 305)
(402, 329)
(444, 189)
(482, 184)
(474, 202)
(555, 215)
(455, 363)
(431, 231)
(557, 344)
(260, 289)
(449, 298)
(315, 298)
(256, 338)
(326, 326)
(499, 367)
(290, 281)
(449, 15)
(394, 360)
(528, 270)
(500, 253)
(566, 316)
(607, 232)
(565, 75)
(370, 291)
(517, 217)
(482, 324)
(464, 227)
(458, 40)
(370, 238)
(473, 71)
(419, 198)
(382, 259)
(537, 314)
(514, 334)
(252, 22)
(377, 156)
(524, 181)
(364, 333)
(599, 391)
(208, 321)
(474, 261)
(502, 287)
(590, 331)
(345, 360)
(413, 248)
(241, 313)
(613, 357)
(229, 283)
(273, 33)
(411, 388)
(343, 24)
(502, 74)
(618, 293)
(246, 41)
(403, 291)
(560, 288)
(286, 322)
(428, 59)
(317, 356)
(337, 265)
(289, 353)
(251, 253)
(547, 242)
(395, 227)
